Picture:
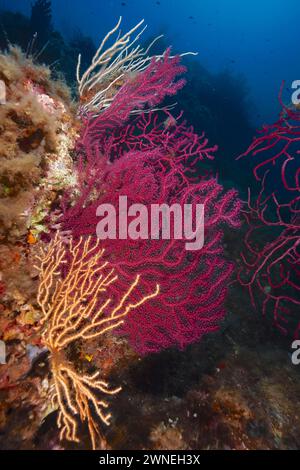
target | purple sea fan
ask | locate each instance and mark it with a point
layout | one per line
(143, 90)
(193, 284)
(271, 269)
(155, 160)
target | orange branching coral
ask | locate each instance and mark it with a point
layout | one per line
(76, 305)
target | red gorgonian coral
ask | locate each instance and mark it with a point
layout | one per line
(141, 91)
(272, 256)
(154, 159)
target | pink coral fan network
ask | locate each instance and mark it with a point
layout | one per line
(151, 157)
(272, 272)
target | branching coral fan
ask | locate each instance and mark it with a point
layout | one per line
(111, 68)
(78, 304)
(272, 273)
(154, 159)
(193, 284)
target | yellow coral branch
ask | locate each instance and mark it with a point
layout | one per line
(76, 305)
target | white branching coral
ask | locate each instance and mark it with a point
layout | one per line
(110, 66)
(74, 306)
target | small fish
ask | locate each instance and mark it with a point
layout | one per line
(191, 18)
(123, 4)
(157, 3)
